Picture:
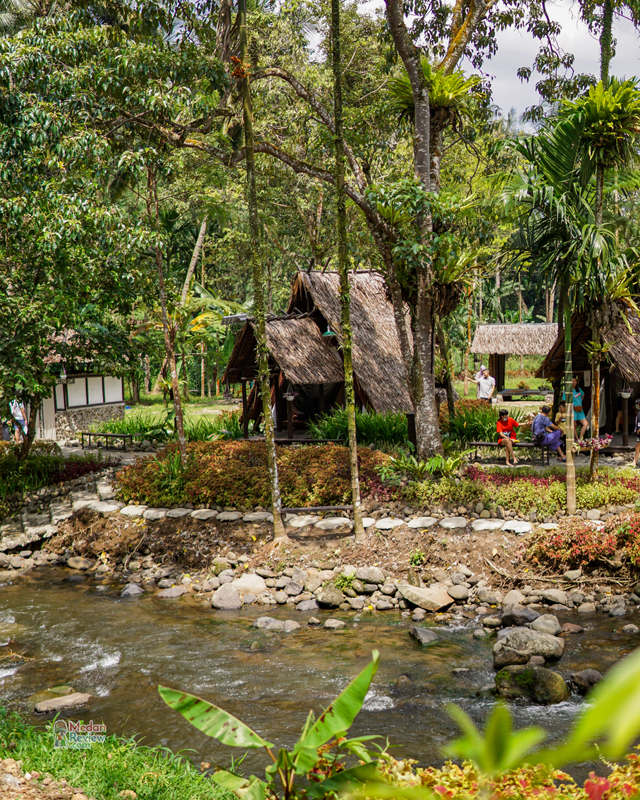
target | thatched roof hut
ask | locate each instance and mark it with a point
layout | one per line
(623, 355)
(296, 348)
(377, 359)
(521, 339)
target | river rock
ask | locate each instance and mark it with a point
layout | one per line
(60, 703)
(487, 524)
(293, 589)
(131, 590)
(518, 615)
(290, 625)
(572, 575)
(571, 627)
(356, 603)
(488, 596)
(333, 523)
(585, 679)
(536, 683)
(204, 514)
(330, 597)
(370, 575)
(587, 608)
(520, 644)
(547, 623)
(431, 599)
(281, 597)
(423, 635)
(513, 598)
(249, 583)
(79, 563)
(226, 598)
(422, 522)
(133, 511)
(453, 523)
(383, 604)
(458, 592)
(307, 605)
(631, 629)
(268, 624)
(333, 624)
(174, 591)
(555, 596)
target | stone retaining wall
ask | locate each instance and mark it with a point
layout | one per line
(69, 422)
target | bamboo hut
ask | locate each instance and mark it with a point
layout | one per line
(621, 373)
(520, 339)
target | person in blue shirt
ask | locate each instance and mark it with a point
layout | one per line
(579, 417)
(544, 432)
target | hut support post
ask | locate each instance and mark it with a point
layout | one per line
(411, 430)
(625, 422)
(290, 419)
(245, 412)
(321, 398)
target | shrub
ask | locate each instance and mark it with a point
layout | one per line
(574, 544)
(371, 428)
(478, 424)
(235, 473)
(153, 426)
(462, 406)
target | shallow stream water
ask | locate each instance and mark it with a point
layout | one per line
(119, 649)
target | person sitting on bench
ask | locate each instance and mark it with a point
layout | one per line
(506, 427)
(545, 433)
(561, 417)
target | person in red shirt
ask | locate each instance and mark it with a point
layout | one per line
(506, 427)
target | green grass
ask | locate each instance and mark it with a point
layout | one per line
(157, 426)
(108, 768)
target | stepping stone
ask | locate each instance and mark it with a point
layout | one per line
(76, 562)
(12, 525)
(229, 516)
(487, 524)
(286, 518)
(35, 520)
(131, 590)
(177, 513)
(256, 516)
(133, 511)
(422, 522)
(388, 523)
(78, 505)
(174, 591)
(454, 522)
(367, 522)
(105, 490)
(332, 523)
(548, 526)
(203, 514)
(517, 526)
(303, 521)
(155, 514)
(60, 513)
(104, 507)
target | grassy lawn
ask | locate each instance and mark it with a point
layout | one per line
(152, 405)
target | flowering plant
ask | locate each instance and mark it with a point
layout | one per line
(597, 443)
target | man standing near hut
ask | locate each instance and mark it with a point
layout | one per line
(486, 386)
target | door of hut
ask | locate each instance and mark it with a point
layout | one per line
(497, 366)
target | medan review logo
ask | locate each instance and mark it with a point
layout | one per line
(77, 735)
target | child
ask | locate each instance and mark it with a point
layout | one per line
(636, 430)
(561, 417)
(506, 426)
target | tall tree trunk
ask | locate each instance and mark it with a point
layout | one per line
(599, 194)
(606, 40)
(444, 352)
(194, 261)
(185, 378)
(279, 531)
(568, 397)
(468, 350)
(147, 374)
(202, 371)
(595, 407)
(343, 269)
(171, 359)
(27, 440)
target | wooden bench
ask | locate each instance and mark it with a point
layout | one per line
(108, 437)
(543, 448)
(508, 394)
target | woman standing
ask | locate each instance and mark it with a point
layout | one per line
(578, 411)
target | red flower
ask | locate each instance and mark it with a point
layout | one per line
(596, 787)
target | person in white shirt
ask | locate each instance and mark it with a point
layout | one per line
(486, 386)
(479, 375)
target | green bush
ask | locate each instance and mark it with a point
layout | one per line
(153, 426)
(478, 424)
(371, 428)
(235, 473)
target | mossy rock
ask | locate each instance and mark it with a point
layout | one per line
(534, 683)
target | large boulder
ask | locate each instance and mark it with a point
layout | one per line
(433, 598)
(518, 615)
(535, 683)
(226, 598)
(249, 583)
(520, 644)
(330, 597)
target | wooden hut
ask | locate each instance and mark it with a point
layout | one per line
(622, 371)
(521, 339)
(304, 350)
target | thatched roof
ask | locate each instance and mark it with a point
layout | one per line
(377, 359)
(295, 345)
(624, 352)
(520, 339)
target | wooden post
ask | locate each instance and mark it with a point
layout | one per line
(290, 419)
(625, 422)
(411, 425)
(321, 398)
(245, 411)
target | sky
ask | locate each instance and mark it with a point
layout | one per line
(517, 49)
